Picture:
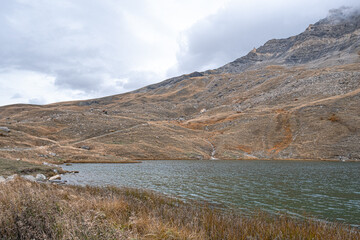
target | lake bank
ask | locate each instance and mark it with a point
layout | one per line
(10, 167)
(32, 211)
(215, 159)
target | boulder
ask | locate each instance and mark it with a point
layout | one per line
(40, 177)
(12, 177)
(56, 177)
(85, 147)
(2, 179)
(4, 129)
(29, 177)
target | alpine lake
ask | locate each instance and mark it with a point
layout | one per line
(327, 191)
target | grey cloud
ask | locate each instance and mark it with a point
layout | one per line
(342, 13)
(76, 42)
(75, 79)
(16, 96)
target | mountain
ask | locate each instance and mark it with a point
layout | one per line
(293, 98)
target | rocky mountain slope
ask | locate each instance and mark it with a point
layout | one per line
(294, 98)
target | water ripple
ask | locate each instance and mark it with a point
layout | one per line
(327, 190)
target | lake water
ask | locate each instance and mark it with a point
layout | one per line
(326, 190)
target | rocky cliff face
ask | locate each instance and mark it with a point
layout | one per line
(335, 35)
(294, 98)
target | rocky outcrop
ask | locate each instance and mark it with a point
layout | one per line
(40, 177)
(327, 38)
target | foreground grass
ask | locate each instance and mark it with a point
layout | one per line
(44, 211)
(10, 167)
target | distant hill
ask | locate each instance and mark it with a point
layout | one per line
(293, 98)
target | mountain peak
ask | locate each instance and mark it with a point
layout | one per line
(339, 31)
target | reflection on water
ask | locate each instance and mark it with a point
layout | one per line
(328, 190)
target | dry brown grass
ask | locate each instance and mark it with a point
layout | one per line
(201, 122)
(42, 211)
(283, 122)
(334, 118)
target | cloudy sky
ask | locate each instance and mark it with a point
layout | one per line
(59, 50)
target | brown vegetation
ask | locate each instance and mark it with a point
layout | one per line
(200, 123)
(243, 148)
(44, 211)
(283, 123)
(334, 118)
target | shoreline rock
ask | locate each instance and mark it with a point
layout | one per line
(40, 177)
(29, 177)
(56, 177)
(12, 177)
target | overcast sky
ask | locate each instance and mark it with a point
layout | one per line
(59, 50)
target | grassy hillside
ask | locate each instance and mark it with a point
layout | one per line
(276, 112)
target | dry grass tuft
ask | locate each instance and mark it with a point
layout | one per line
(43, 211)
(334, 118)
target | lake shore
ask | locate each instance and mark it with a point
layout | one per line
(10, 167)
(33, 210)
(262, 159)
